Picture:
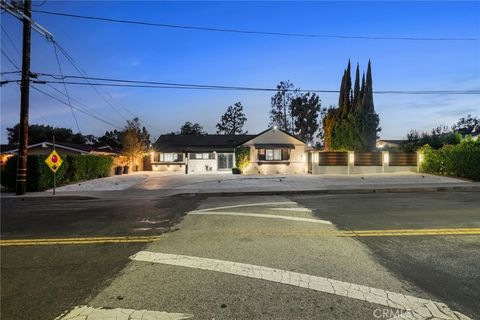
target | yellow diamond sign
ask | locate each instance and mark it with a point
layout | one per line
(54, 161)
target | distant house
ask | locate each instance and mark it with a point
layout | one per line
(271, 151)
(63, 148)
(386, 144)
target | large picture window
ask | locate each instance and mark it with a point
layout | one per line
(202, 156)
(170, 157)
(273, 154)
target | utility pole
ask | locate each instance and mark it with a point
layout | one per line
(25, 15)
(24, 100)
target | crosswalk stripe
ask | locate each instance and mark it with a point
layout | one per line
(423, 308)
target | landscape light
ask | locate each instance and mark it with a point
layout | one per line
(385, 158)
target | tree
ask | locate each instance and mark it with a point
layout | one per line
(280, 103)
(436, 139)
(38, 133)
(467, 125)
(191, 129)
(304, 109)
(354, 125)
(135, 141)
(111, 138)
(232, 120)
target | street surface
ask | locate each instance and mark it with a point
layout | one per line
(346, 256)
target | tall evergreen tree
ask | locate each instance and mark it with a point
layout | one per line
(344, 101)
(367, 103)
(354, 125)
(356, 89)
(232, 120)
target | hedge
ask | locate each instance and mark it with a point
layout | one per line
(74, 168)
(461, 160)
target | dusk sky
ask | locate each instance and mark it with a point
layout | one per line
(113, 50)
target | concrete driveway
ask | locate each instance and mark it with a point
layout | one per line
(197, 183)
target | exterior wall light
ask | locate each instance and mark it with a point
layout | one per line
(351, 157)
(316, 157)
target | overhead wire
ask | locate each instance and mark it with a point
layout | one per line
(251, 32)
(65, 87)
(78, 109)
(142, 84)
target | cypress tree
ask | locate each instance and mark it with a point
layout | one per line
(368, 94)
(341, 96)
(356, 89)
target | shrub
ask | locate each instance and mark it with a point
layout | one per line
(461, 160)
(242, 157)
(74, 168)
(39, 176)
(236, 171)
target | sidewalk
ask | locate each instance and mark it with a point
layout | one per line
(154, 185)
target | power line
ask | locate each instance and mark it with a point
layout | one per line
(11, 41)
(84, 76)
(228, 30)
(80, 110)
(9, 59)
(9, 72)
(65, 87)
(83, 106)
(163, 85)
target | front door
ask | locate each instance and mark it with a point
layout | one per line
(224, 161)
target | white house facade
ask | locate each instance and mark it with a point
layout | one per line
(272, 151)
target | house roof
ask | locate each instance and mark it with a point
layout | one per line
(202, 143)
(264, 131)
(80, 148)
(5, 148)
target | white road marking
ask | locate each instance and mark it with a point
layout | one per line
(250, 205)
(90, 313)
(419, 308)
(258, 215)
(297, 209)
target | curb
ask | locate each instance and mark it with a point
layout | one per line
(57, 197)
(330, 191)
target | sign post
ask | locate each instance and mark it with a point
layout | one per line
(54, 162)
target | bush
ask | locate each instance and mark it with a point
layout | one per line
(461, 160)
(242, 157)
(236, 171)
(39, 176)
(74, 168)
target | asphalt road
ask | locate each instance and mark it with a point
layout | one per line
(41, 282)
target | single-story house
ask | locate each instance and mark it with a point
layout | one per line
(196, 154)
(64, 149)
(276, 151)
(271, 151)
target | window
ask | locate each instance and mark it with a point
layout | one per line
(202, 156)
(171, 157)
(273, 154)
